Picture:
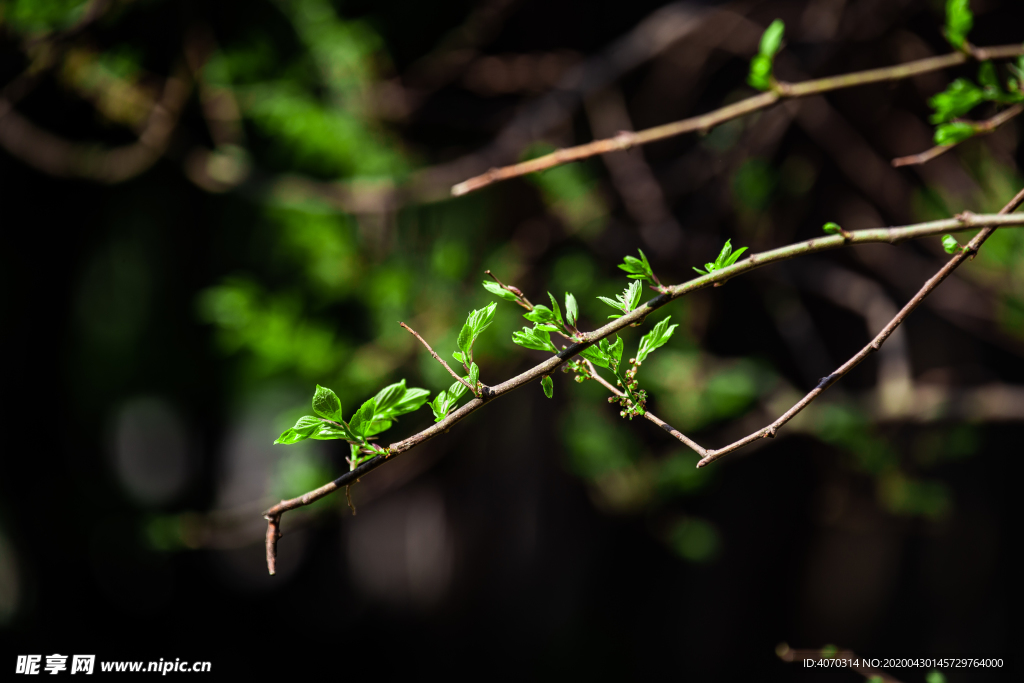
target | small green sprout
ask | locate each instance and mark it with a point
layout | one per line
(959, 21)
(762, 65)
(726, 258)
(950, 244)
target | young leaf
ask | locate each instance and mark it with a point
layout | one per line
(326, 404)
(388, 397)
(361, 420)
(726, 257)
(626, 301)
(950, 244)
(376, 427)
(957, 99)
(498, 290)
(959, 21)
(954, 132)
(539, 314)
(413, 400)
(440, 406)
(455, 391)
(290, 436)
(595, 356)
(474, 374)
(457, 355)
(615, 350)
(831, 228)
(554, 308)
(547, 327)
(762, 65)
(465, 340)
(638, 268)
(548, 386)
(536, 339)
(572, 311)
(484, 318)
(654, 339)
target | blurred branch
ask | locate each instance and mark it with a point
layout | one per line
(715, 278)
(705, 122)
(57, 156)
(980, 128)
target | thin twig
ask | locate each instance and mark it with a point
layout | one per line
(439, 359)
(980, 128)
(647, 414)
(705, 122)
(967, 252)
(884, 235)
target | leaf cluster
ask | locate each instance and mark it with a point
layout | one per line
(726, 257)
(639, 268)
(446, 400)
(963, 95)
(625, 302)
(762, 65)
(373, 416)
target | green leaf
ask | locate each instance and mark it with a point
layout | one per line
(548, 386)
(476, 322)
(656, 338)
(950, 244)
(762, 65)
(959, 21)
(290, 436)
(547, 327)
(956, 100)
(465, 340)
(615, 350)
(831, 228)
(457, 355)
(638, 268)
(539, 314)
(498, 290)
(987, 76)
(328, 432)
(760, 73)
(440, 406)
(538, 340)
(389, 396)
(554, 308)
(572, 310)
(376, 427)
(413, 400)
(771, 39)
(308, 425)
(326, 404)
(474, 374)
(726, 257)
(954, 132)
(595, 356)
(456, 390)
(361, 420)
(483, 319)
(634, 291)
(626, 301)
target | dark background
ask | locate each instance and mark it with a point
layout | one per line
(533, 564)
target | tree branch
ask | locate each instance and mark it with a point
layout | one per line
(705, 122)
(967, 252)
(647, 414)
(439, 359)
(878, 235)
(980, 128)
